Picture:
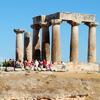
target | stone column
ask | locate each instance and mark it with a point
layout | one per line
(45, 42)
(74, 42)
(36, 42)
(19, 48)
(27, 47)
(56, 56)
(92, 42)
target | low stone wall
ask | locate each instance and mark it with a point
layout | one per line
(90, 67)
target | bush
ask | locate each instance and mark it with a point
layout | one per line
(7, 63)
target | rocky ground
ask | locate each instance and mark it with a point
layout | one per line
(22, 85)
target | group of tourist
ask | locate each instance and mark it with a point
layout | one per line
(34, 65)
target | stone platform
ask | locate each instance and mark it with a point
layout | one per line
(67, 67)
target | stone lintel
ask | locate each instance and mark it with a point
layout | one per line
(53, 16)
(77, 17)
(56, 21)
(19, 30)
(66, 16)
(39, 19)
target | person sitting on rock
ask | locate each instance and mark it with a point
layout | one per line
(63, 66)
(36, 64)
(25, 64)
(19, 64)
(48, 67)
(44, 63)
(32, 64)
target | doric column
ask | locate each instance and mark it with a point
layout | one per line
(56, 56)
(45, 41)
(74, 42)
(19, 48)
(92, 42)
(36, 42)
(27, 47)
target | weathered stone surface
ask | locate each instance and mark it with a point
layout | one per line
(77, 17)
(65, 16)
(19, 48)
(45, 42)
(56, 56)
(39, 19)
(92, 42)
(27, 47)
(74, 42)
(36, 42)
(74, 19)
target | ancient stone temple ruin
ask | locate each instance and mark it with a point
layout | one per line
(44, 22)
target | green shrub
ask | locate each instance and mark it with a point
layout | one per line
(7, 63)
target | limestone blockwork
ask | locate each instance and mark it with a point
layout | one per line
(44, 22)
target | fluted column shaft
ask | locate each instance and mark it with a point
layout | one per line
(19, 47)
(74, 42)
(45, 42)
(92, 42)
(27, 47)
(56, 56)
(36, 42)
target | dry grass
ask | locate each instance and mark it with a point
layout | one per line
(51, 84)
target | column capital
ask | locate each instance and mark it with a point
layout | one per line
(44, 24)
(73, 23)
(36, 26)
(56, 21)
(90, 24)
(19, 31)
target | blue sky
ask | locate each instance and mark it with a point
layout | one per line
(19, 13)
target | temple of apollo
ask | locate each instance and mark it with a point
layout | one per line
(35, 51)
